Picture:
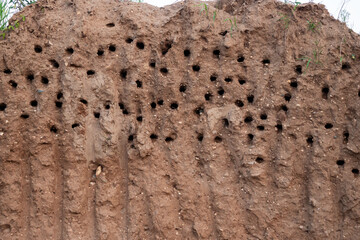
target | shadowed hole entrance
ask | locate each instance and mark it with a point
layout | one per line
(160, 102)
(250, 98)
(53, 129)
(310, 140)
(112, 48)
(346, 136)
(54, 63)
(293, 83)
(169, 139)
(83, 101)
(7, 71)
(30, 77)
(37, 48)
(187, 52)
(325, 92)
(355, 171)
(3, 106)
(139, 118)
(242, 81)
(226, 122)
(250, 137)
(345, 66)
(123, 73)
(228, 79)
(208, 96)
(96, 114)
(153, 136)
(129, 40)
(218, 139)
(248, 119)
(44, 80)
(152, 64)
(33, 103)
(174, 105)
(59, 95)
(259, 160)
(239, 103)
(241, 59)
(196, 68)
(58, 104)
(263, 116)
(100, 52)
(153, 105)
(221, 91)
(24, 116)
(140, 45)
(75, 125)
(90, 72)
(279, 127)
(340, 162)
(13, 83)
(199, 111)
(298, 69)
(164, 70)
(287, 97)
(266, 61)
(69, 50)
(216, 53)
(110, 25)
(138, 84)
(182, 88)
(261, 128)
(200, 137)
(328, 126)
(214, 77)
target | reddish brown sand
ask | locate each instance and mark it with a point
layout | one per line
(127, 121)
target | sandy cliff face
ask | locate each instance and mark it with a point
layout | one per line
(127, 121)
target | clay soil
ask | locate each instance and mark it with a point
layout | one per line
(128, 121)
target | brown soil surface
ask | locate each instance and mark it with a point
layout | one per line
(128, 121)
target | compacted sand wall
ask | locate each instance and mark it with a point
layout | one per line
(127, 121)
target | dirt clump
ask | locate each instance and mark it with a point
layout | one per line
(128, 121)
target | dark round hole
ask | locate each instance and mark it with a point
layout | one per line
(196, 68)
(138, 84)
(169, 139)
(226, 122)
(90, 72)
(263, 116)
(294, 84)
(218, 139)
(242, 81)
(122, 106)
(213, 78)
(200, 137)
(287, 97)
(199, 110)
(24, 116)
(100, 52)
(261, 128)
(123, 73)
(34, 103)
(96, 114)
(153, 136)
(174, 105)
(38, 49)
(223, 33)
(3, 106)
(340, 162)
(310, 140)
(54, 63)
(7, 71)
(248, 119)
(131, 138)
(284, 108)
(30, 77)
(328, 126)
(139, 118)
(241, 59)
(182, 88)
(107, 106)
(160, 102)
(125, 112)
(228, 79)
(346, 136)
(164, 70)
(298, 69)
(266, 61)
(216, 53)
(53, 129)
(58, 104)
(250, 98)
(110, 25)
(83, 101)
(152, 64)
(13, 83)
(44, 80)
(112, 48)
(70, 50)
(186, 52)
(129, 40)
(279, 127)
(345, 66)
(259, 160)
(325, 92)
(208, 96)
(59, 95)
(140, 45)
(221, 91)
(355, 171)
(250, 136)
(153, 105)
(75, 125)
(239, 103)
